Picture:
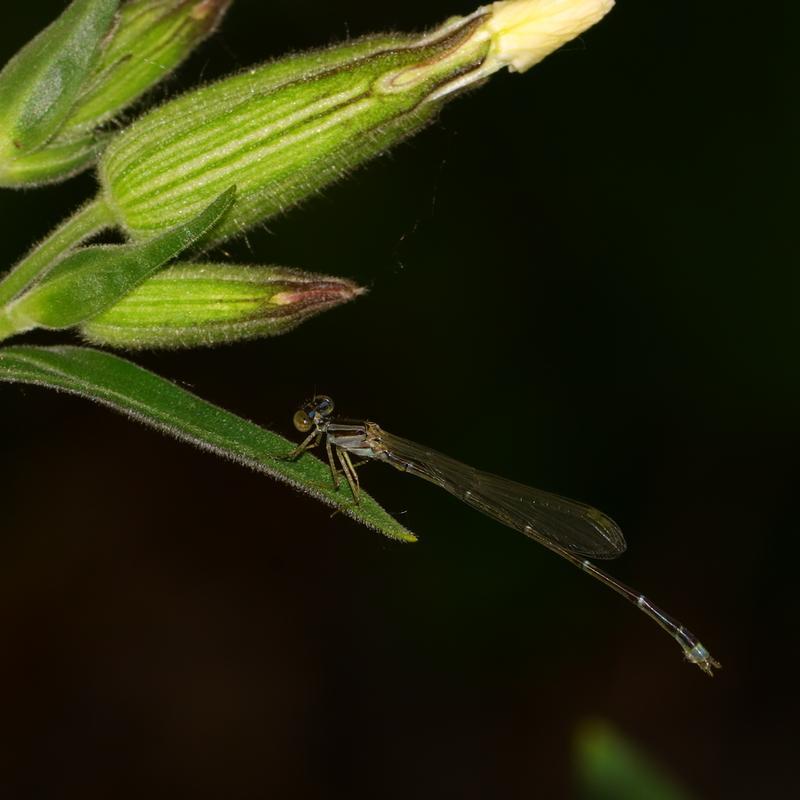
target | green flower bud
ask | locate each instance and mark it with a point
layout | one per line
(38, 89)
(151, 39)
(83, 70)
(207, 304)
(283, 131)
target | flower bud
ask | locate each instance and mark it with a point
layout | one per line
(283, 131)
(206, 304)
(151, 39)
(38, 88)
(83, 70)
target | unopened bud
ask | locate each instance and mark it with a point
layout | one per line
(39, 87)
(206, 304)
(85, 68)
(151, 39)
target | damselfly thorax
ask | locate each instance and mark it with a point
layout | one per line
(573, 530)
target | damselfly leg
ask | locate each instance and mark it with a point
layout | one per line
(307, 444)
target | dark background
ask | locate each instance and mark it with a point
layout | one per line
(584, 278)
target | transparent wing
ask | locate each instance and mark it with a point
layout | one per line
(547, 518)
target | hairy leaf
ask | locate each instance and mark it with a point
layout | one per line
(94, 278)
(141, 394)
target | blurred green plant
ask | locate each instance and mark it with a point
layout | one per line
(201, 169)
(608, 767)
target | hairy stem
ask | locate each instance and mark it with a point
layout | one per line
(90, 219)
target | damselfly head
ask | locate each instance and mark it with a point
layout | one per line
(313, 412)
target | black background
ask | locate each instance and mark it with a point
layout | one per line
(584, 278)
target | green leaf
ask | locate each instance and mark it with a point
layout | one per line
(610, 768)
(94, 278)
(41, 83)
(156, 402)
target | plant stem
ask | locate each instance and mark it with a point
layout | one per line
(90, 219)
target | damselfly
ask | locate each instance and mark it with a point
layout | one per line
(573, 530)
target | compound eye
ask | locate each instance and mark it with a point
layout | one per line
(302, 421)
(324, 404)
